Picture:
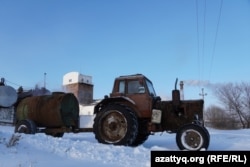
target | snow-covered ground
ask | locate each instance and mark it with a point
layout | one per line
(82, 149)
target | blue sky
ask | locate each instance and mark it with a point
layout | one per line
(163, 39)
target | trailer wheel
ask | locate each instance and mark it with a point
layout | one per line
(192, 137)
(26, 126)
(116, 124)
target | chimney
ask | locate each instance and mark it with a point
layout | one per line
(181, 90)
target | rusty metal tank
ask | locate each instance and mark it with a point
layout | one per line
(50, 111)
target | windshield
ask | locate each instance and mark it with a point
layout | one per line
(150, 88)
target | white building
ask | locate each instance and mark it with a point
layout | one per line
(80, 85)
(76, 77)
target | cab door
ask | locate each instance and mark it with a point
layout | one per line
(137, 91)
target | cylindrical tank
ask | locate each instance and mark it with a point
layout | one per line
(51, 111)
(8, 96)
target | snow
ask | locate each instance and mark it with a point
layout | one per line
(80, 149)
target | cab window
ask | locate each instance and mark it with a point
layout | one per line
(135, 87)
(122, 87)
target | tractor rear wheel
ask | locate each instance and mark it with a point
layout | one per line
(143, 133)
(116, 124)
(192, 137)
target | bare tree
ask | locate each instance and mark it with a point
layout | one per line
(236, 99)
(218, 117)
(40, 91)
(246, 102)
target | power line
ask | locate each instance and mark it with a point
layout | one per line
(12, 83)
(201, 56)
(204, 35)
(215, 40)
(201, 46)
(15, 84)
(198, 38)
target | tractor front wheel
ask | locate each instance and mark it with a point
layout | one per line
(192, 137)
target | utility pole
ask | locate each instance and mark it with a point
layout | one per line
(45, 80)
(202, 93)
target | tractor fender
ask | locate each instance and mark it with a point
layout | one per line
(108, 100)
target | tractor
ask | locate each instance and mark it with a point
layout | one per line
(133, 111)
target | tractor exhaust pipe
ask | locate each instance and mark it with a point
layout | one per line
(176, 95)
